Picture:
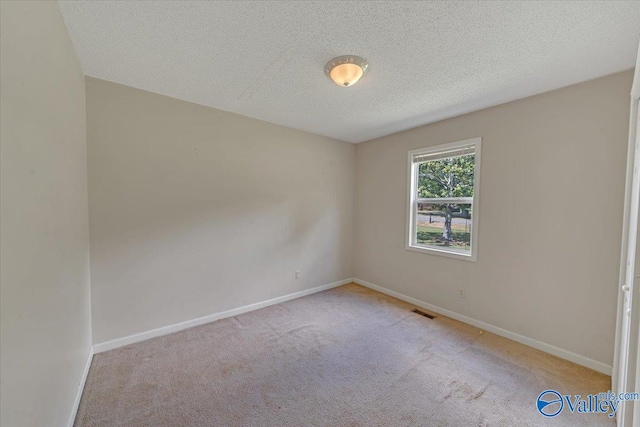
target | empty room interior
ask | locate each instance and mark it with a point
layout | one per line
(320, 213)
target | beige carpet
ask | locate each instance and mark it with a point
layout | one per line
(344, 357)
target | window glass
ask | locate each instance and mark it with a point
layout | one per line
(443, 199)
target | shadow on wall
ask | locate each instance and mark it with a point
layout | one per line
(162, 252)
(194, 211)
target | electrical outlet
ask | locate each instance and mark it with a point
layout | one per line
(297, 274)
(461, 293)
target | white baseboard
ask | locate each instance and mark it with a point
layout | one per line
(547, 348)
(121, 342)
(83, 380)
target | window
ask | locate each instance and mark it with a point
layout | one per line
(443, 199)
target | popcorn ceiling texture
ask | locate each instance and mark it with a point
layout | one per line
(429, 60)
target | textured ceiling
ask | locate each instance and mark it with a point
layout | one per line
(429, 60)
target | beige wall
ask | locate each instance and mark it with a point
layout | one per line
(551, 200)
(196, 211)
(45, 298)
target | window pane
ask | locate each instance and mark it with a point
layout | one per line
(444, 226)
(450, 177)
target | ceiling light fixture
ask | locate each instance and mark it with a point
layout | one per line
(346, 70)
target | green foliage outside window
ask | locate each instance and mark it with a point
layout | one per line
(450, 177)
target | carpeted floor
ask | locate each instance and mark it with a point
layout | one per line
(344, 357)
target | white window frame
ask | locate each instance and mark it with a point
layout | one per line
(413, 200)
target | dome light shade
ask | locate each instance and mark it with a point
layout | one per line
(346, 70)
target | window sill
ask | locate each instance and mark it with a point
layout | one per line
(442, 252)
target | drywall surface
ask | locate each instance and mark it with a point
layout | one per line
(194, 211)
(45, 295)
(551, 201)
